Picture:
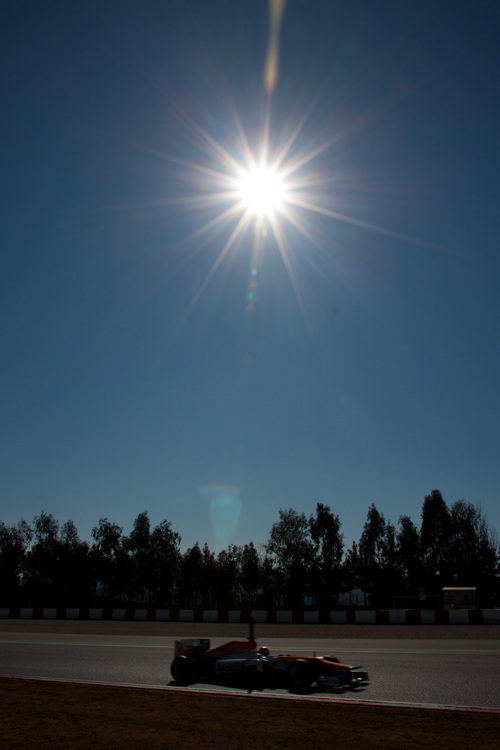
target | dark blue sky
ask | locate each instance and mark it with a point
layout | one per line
(134, 373)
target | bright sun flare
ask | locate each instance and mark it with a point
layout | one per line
(262, 191)
(267, 188)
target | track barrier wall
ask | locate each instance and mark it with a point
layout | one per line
(324, 617)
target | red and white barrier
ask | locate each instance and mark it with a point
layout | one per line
(325, 617)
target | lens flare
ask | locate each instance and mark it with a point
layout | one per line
(276, 8)
(270, 188)
(225, 510)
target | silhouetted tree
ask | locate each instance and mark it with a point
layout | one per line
(142, 563)
(372, 553)
(14, 542)
(76, 574)
(389, 577)
(228, 576)
(409, 557)
(191, 577)
(165, 544)
(43, 564)
(435, 533)
(209, 577)
(273, 585)
(472, 548)
(48, 565)
(352, 569)
(328, 546)
(251, 573)
(111, 559)
(292, 551)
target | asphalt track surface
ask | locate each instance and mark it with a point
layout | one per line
(454, 666)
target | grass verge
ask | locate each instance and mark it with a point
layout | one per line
(55, 715)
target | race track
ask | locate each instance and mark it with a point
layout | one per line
(450, 666)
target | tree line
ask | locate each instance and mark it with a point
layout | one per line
(303, 563)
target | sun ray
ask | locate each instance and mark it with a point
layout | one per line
(238, 229)
(291, 273)
(248, 154)
(298, 201)
(220, 218)
(214, 146)
(306, 158)
(263, 184)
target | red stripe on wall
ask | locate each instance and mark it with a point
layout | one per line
(382, 617)
(413, 617)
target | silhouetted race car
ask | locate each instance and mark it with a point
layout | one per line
(241, 662)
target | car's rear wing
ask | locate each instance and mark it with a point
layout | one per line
(188, 646)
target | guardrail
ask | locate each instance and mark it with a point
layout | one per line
(324, 617)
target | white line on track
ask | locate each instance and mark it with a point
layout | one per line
(339, 649)
(261, 695)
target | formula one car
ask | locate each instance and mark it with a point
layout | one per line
(242, 663)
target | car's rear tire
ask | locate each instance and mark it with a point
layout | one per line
(301, 676)
(183, 670)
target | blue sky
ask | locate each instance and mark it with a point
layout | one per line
(145, 366)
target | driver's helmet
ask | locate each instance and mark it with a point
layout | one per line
(263, 651)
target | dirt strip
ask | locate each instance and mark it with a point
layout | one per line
(82, 717)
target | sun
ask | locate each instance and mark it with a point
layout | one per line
(262, 191)
(271, 186)
(255, 186)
